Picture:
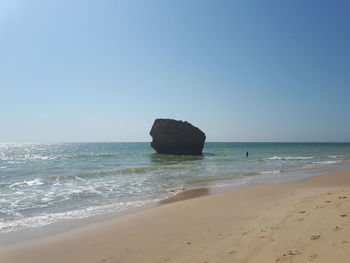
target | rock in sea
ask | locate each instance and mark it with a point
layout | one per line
(176, 137)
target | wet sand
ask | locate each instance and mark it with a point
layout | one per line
(307, 221)
(185, 195)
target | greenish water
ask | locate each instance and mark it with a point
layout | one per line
(45, 183)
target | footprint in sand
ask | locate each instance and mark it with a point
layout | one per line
(232, 252)
(344, 215)
(294, 252)
(328, 201)
(342, 197)
(290, 254)
(315, 237)
(247, 232)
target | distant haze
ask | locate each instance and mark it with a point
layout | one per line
(239, 70)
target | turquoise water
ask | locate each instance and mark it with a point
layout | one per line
(45, 183)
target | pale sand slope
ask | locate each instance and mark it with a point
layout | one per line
(307, 221)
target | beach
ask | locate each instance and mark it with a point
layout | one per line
(307, 221)
(44, 184)
(174, 132)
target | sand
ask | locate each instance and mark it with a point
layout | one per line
(306, 221)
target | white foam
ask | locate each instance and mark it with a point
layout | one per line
(281, 158)
(326, 162)
(26, 157)
(174, 191)
(38, 157)
(29, 183)
(271, 172)
(46, 219)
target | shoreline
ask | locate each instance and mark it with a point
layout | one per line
(197, 191)
(239, 225)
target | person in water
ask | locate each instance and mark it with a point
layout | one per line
(246, 154)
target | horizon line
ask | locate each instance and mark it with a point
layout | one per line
(62, 142)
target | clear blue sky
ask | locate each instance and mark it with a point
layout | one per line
(239, 70)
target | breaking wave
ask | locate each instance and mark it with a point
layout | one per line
(49, 218)
(288, 158)
(27, 183)
(327, 162)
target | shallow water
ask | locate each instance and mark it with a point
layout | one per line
(45, 183)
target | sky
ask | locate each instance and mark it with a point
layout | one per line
(249, 70)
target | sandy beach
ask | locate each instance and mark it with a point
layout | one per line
(307, 221)
(174, 131)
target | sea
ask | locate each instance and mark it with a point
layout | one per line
(41, 184)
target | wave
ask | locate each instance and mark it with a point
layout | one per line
(89, 155)
(263, 172)
(49, 218)
(334, 156)
(29, 183)
(32, 157)
(288, 158)
(123, 171)
(271, 172)
(26, 157)
(38, 157)
(326, 162)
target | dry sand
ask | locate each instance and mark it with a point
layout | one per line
(307, 221)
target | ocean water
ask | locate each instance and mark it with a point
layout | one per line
(45, 183)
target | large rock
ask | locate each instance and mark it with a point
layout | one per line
(176, 137)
